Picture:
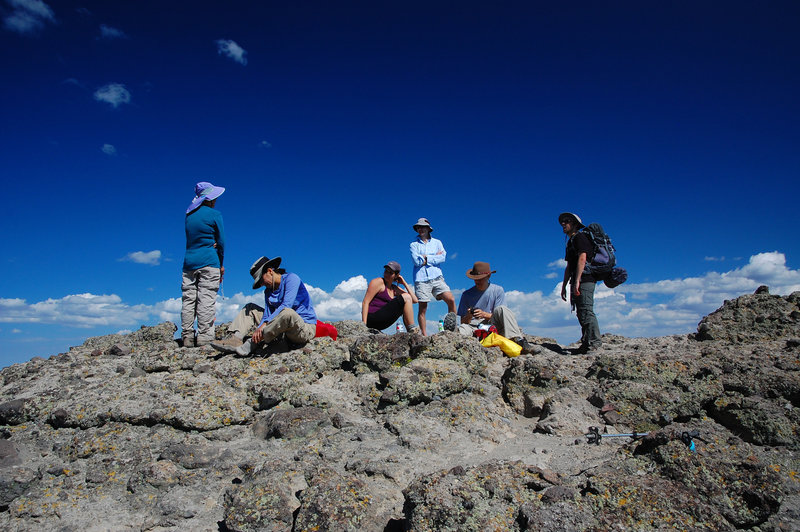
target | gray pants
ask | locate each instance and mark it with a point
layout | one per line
(287, 322)
(584, 308)
(198, 297)
(502, 318)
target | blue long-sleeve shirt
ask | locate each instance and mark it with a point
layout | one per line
(204, 229)
(429, 248)
(291, 293)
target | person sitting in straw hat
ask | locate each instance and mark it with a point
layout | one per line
(202, 265)
(483, 304)
(288, 311)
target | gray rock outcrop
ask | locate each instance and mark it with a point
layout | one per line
(375, 432)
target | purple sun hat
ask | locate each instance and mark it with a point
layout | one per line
(204, 191)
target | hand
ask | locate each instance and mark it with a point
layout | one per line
(221, 273)
(576, 289)
(480, 314)
(258, 335)
(425, 262)
(400, 279)
(564, 292)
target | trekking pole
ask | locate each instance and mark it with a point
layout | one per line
(595, 437)
(687, 437)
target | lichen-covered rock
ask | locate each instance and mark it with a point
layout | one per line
(750, 318)
(424, 380)
(404, 432)
(529, 382)
(265, 500)
(488, 497)
(335, 501)
(380, 352)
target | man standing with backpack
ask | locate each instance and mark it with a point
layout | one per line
(580, 251)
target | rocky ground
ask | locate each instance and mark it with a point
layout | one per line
(375, 432)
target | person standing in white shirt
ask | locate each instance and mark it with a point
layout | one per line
(428, 253)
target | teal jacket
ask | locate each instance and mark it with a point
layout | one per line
(203, 230)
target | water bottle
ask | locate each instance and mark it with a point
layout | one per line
(400, 327)
(441, 325)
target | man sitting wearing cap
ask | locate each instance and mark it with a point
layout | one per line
(288, 311)
(483, 304)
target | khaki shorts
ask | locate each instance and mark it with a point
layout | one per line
(429, 290)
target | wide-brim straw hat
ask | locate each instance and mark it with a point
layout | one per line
(259, 266)
(204, 191)
(480, 270)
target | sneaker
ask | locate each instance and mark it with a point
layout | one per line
(414, 330)
(188, 342)
(450, 321)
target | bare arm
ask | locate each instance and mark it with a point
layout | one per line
(564, 283)
(373, 288)
(576, 282)
(408, 289)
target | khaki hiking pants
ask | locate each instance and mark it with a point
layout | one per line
(199, 295)
(502, 318)
(287, 321)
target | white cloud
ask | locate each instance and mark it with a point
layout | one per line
(28, 16)
(153, 258)
(354, 285)
(714, 259)
(232, 50)
(79, 310)
(109, 149)
(107, 32)
(264, 144)
(114, 94)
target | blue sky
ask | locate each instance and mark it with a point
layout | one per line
(335, 125)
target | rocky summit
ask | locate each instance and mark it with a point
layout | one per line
(390, 433)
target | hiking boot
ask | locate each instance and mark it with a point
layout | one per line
(188, 342)
(226, 346)
(414, 330)
(450, 321)
(526, 347)
(230, 341)
(246, 348)
(587, 350)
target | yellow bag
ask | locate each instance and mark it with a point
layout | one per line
(508, 347)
